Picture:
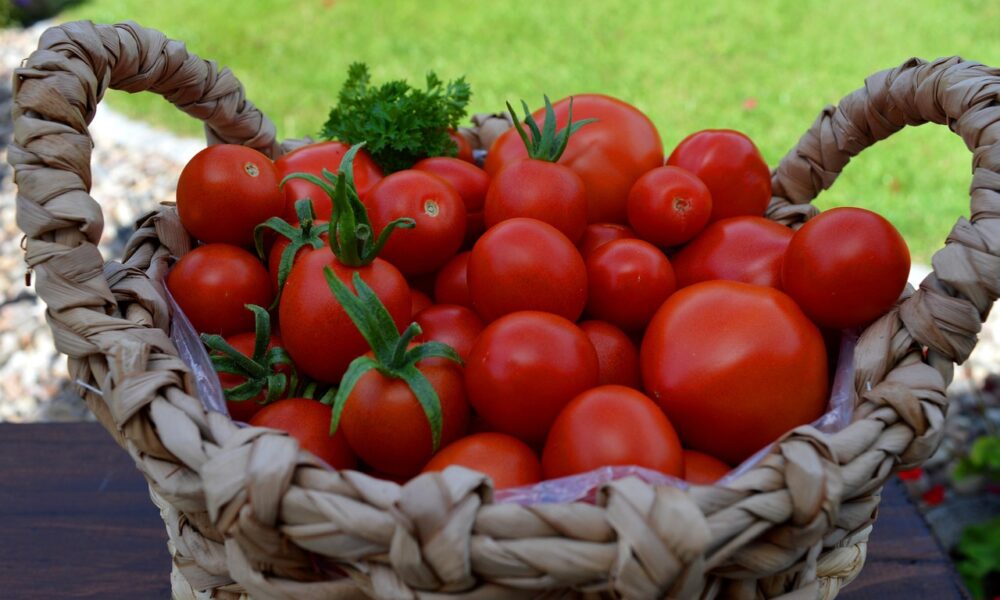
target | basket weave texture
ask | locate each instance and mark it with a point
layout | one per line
(248, 512)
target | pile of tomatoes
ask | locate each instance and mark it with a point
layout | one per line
(577, 302)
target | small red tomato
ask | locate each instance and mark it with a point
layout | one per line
(607, 426)
(451, 324)
(628, 281)
(617, 356)
(731, 166)
(435, 206)
(464, 147)
(702, 469)
(598, 234)
(225, 191)
(541, 190)
(524, 368)
(508, 461)
(668, 206)
(452, 283)
(469, 181)
(243, 410)
(213, 284)
(524, 264)
(746, 249)
(308, 421)
(313, 159)
(418, 301)
(846, 267)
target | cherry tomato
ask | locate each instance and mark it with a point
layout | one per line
(386, 426)
(702, 469)
(731, 166)
(243, 410)
(452, 283)
(846, 267)
(668, 206)
(464, 147)
(508, 461)
(524, 368)
(629, 280)
(225, 191)
(437, 209)
(320, 337)
(607, 426)
(524, 264)
(469, 181)
(541, 190)
(609, 154)
(617, 356)
(213, 284)
(308, 421)
(418, 301)
(598, 234)
(313, 159)
(747, 249)
(734, 366)
(451, 324)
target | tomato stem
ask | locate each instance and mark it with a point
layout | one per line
(306, 234)
(545, 144)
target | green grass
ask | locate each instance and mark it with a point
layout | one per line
(765, 68)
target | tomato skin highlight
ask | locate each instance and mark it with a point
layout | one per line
(524, 368)
(617, 356)
(213, 284)
(598, 234)
(451, 324)
(734, 366)
(508, 461)
(524, 264)
(746, 249)
(225, 191)
(541, 190)
(312, 159)
(846, 267)
(611, 425)
(628, 281)
(469, 181)
(668, 206)
(702, 469)
(308, 421)
(244, 410)
(731, 166)
(451, 285)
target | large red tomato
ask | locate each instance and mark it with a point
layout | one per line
(225, 191)
(213, 284)
(747, 249)
(524, 368)
(308, 421)
(611, 425)
(609, 154)
(731, 166)
(734, 366)
(508, 461)
(846, 267)
(628, 281)
(313, 159)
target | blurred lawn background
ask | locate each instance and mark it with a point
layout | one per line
(765, 68)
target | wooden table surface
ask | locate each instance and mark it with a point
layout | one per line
(76, 521)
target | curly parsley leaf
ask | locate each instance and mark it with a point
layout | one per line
(398, 123)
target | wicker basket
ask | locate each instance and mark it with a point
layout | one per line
(248, 512)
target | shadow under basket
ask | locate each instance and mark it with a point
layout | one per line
(249, 513)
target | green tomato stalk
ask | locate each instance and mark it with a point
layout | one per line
(545, 144)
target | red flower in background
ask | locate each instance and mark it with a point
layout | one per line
(911, 474)
(934, 496)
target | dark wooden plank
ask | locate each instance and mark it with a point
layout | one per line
(76, 520)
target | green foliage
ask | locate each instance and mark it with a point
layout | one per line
(983, 459)
(980, 548)
(399, 124)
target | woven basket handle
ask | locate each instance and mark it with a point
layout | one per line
(946, 313)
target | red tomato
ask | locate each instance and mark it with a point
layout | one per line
(418, 301)
(508, 461)
(386, 426)
(734, 366)
(607, 426)
(702, 469)
(524, 264)
(243, 410)
(609, 154)
(278, 248)
(452, 283)
(469, 181)
(617, 356)
(668, 206)
(318, 334)
(747, 249)
(598, 234)
(524, 368)
(846, 267)
(308, 421)
(313, 159)
(541, 190)
(628, 281)
(213, 284)
(464, 147)
(437, 209)
(731, 166)
(454, 325)
(225, 191)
